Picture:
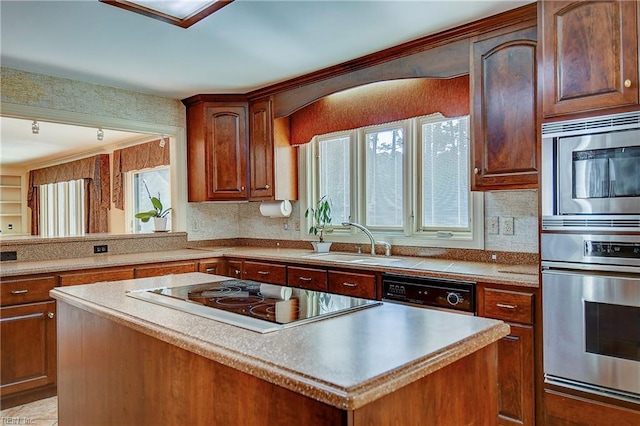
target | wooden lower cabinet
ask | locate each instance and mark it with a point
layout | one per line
(264, 272)
(307, 278)
(563, 409)
(234, 268)
(352, 284)
(28, 361)
(165, 268)
(516, 354)
(213, 266)
(96, 275)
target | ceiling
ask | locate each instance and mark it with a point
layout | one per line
(244, 46)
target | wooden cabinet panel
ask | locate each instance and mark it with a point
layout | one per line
(504, 109)
(261, 150)
(589, 55)
(516, 397)
(570, 410)
(28, 358)
(213, 266)
(308, 278)
(516, 354)
(352, 284)
(264, 272)
(167, 268)
(508, 306)
(96, 275)
(217, 151)
(234, 268)
(19, 290)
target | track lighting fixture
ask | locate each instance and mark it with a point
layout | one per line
(100, 134)
(35, 127)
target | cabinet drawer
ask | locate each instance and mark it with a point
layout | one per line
(309, 278)
(26, 290)
(87, 277)
(508, 305)
(216, 267)
(156, 270)
(265, 272)
(352, 284)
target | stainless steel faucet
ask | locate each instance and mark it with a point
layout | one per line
(387, 246)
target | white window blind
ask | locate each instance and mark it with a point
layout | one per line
(62, 209)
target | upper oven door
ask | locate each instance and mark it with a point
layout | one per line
(598, 174)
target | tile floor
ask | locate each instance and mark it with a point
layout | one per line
(40, 413)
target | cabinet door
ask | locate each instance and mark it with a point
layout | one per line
(28, 358)
(261, 150)
(589, 55)
(234, 268)
(226, 153)
(504, 127)
(516, 394)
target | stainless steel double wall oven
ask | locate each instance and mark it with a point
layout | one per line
(590, 251)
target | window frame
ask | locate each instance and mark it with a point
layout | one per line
(411, 233)
(129, 198)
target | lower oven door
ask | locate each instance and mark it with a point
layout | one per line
(591, 324)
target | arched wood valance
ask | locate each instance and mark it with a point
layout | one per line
(379, 103)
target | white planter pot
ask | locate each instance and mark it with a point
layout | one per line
(159, 224)
(321, 247)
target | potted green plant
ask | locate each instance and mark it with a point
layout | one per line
(320, 223)
(158, 213)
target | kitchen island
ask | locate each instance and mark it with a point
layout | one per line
(126, 361)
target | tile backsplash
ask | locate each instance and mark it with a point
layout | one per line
(511, 221)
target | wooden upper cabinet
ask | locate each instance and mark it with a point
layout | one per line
(261, 150)
(589, 55)
(504, 128)
(217, 151)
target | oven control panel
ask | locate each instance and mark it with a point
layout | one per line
(611, 249)
(439, 293)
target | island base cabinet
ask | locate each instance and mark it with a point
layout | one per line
(111, 374)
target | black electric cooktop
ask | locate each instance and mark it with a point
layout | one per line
(253, 305)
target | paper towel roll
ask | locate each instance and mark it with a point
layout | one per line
(270, 291)
(275, 208)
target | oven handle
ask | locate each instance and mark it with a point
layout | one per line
(590, 267)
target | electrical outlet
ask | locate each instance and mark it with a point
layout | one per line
(492, 225)
(8, 255)
(507, 225)
(101, 249)
(10, 227)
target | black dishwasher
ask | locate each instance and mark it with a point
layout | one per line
(439, 293)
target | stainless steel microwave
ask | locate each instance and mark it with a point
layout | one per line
(591, 173)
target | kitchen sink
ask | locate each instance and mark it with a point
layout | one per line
(358, 259)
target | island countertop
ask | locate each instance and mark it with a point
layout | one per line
(347, 361)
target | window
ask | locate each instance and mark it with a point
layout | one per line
(141, 186)
(62, 209)
(407, 181)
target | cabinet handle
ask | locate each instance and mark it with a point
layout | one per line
(476, 171)
(51, 315)
(505, 306)
(19, 291)
(263, 272)
(305, 279)
(237, 271)
(627, 83)
(210, 270)
(242, 188)
(346, 284)
(267, 186)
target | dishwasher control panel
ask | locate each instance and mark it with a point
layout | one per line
(430, 292)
